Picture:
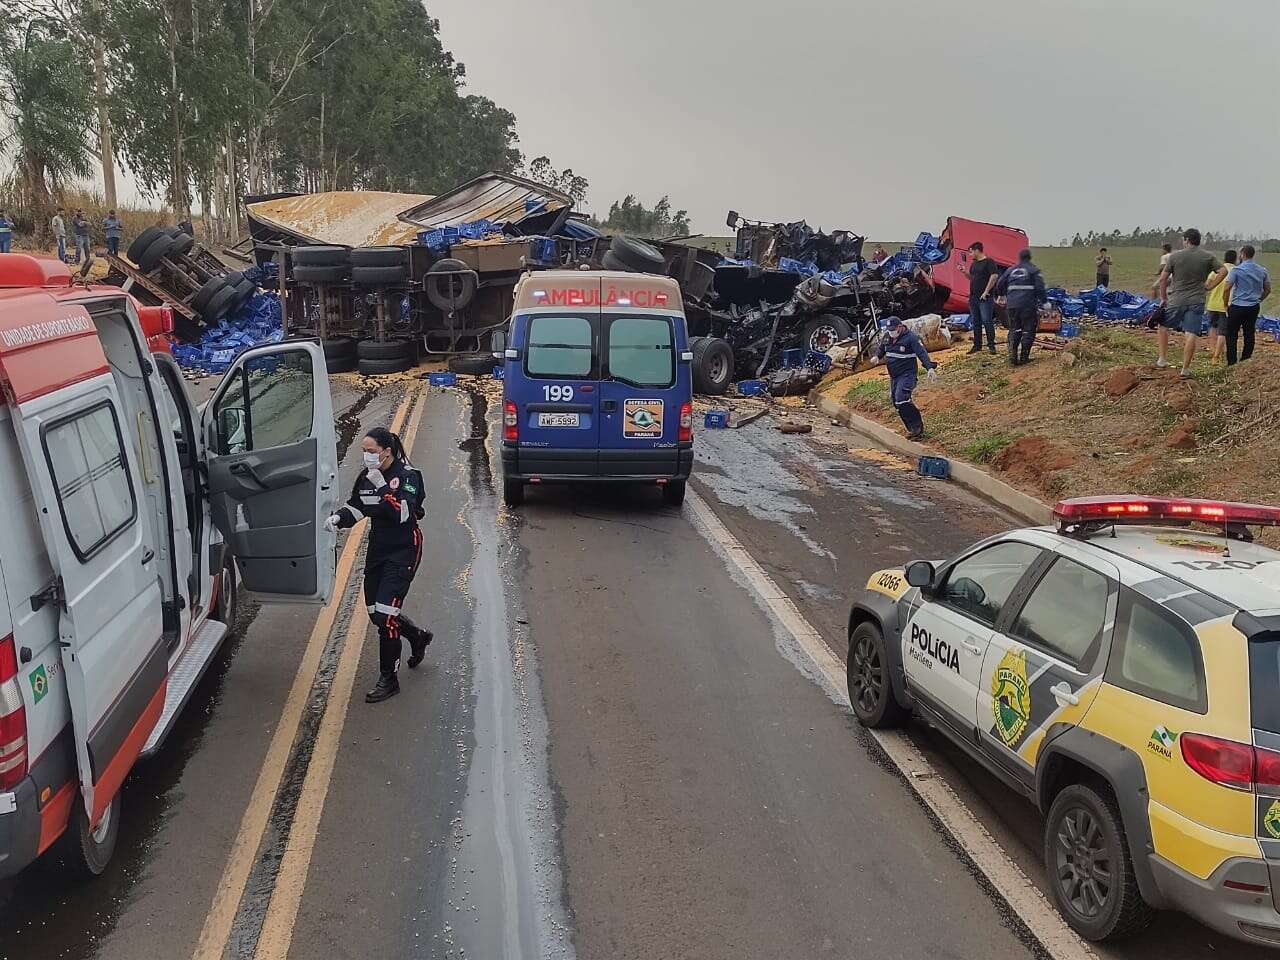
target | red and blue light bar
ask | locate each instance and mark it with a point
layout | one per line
(1119, 509)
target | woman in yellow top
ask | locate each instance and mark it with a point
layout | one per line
(1216, 306)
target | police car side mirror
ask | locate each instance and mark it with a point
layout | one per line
(920, 574)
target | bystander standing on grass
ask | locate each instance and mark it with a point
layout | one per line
(1102, 262)
(114, 227)
(84, 246)
(1182, 294)
(983, 274)
(1246, 287)
(6, 232)
(1166, 251)
(1216, 305)
(59, 225)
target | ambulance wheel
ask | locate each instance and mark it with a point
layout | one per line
(1090, 868)
(87, 852)
(825, 332)
(512, 492)
(378, 368)
(384, 350)
(712, 365)
(673, 493)
(870, 691)
(228, 606)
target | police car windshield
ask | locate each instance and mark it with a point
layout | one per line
(642, 351)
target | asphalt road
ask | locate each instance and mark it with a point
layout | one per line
(612, 750)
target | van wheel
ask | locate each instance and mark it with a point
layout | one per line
(870, 690)
(87, 852)
(1090, 869)
(673, 493)
(512, 492)
(228, 606)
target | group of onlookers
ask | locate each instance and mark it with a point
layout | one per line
(81, 230)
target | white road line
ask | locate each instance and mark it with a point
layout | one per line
(1006, 877)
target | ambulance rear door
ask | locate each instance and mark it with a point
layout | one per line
(271, 458)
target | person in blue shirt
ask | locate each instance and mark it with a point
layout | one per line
(114, 227)
(900, 348)
(6, 232)
(1247, 285)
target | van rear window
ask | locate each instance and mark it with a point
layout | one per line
(559, 347)
(1264, 681)
(642, 351)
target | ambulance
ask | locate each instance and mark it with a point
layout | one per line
(132, 520)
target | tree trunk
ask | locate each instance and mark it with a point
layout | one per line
(105, 146)
(178, 175)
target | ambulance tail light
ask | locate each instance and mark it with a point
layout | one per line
(686, 423)
(13, 719)
(510, 421)
(1133, 508)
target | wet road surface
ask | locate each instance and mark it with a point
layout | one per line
(609, 751)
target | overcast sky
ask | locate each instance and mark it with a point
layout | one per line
(884, 117)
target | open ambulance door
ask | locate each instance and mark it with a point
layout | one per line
(271, 456)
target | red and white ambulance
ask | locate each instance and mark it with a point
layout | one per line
(131, 519)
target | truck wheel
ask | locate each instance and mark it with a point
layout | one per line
(380, 276)
(870, 691)
(380, 257)
(512, 492)
(219, 305)
(610, 262)
(142, 241)
(245, 290)
(450, 285)
(474, 363)
(378, 368)
(320, 255)
(825, 332)
(155, 251)
(205, 294)
(384, 350)
(1090, 869)
(712, 365)
(673, 493)
(182, 244)
(87, 852)
(638, 255)
(328, 273)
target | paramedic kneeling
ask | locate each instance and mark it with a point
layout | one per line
(390, 493)
(899, 349)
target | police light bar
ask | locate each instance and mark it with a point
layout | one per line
(1133, 509)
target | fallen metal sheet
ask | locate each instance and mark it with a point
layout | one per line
(499, 197)
(352, 218)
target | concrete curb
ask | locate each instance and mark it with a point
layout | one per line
(970, 477)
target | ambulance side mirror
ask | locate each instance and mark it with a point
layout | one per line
(920, 574)
(499, 344)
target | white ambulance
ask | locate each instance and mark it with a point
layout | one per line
(130, 520)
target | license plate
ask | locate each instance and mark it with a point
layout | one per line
(557, 420)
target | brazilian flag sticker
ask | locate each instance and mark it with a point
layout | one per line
(39, 683)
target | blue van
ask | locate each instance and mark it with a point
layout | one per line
(597, 383)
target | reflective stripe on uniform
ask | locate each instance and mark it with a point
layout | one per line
(386, 608)
(369, 499)
(899, 356)
(352, 512)
(404, 511)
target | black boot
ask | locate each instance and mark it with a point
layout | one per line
(388, 686)
(418, 644)
(976, 348)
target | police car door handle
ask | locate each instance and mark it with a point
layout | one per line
(971, 645)
(1062, 693)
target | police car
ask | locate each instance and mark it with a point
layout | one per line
(1122, 670)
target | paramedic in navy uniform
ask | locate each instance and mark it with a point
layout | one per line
(389, 492)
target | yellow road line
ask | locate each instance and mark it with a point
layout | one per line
(253, 824)
(286, 898)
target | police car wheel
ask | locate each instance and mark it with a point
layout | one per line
(870, 692)
(512, 492)
(1090, 869)
(87, 852)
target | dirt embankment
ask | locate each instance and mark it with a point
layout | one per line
(1097, 417)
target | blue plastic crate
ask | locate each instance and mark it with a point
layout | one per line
(442, 379)
(1069, 329)
(817, 361)
(793, 357)
(939, 468)
(750, 388)
(716, 419)
(498, 373)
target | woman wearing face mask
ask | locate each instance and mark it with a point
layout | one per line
(390, 493)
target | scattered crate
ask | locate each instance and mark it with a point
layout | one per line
(444, 379)
(716, 419)
(936, 468)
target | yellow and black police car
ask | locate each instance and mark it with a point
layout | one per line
(1122, 670)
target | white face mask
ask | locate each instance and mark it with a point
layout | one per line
(372, 460)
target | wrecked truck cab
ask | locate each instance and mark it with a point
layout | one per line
(951, 276)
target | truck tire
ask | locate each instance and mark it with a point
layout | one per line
(341, 364)
(379, 257)
(639, 256)
(384, 350)
(712, 366)
(326, 274)
(825, 331)
(155, 252)
(205, 294)
(245, 289)
(450, 284)
(867, 672)
(182, 244)
(380, 276)
(219, 305)
(336, 347)
(321, 255)
(87, 852)
(378, 368)
(143, 240)
(512, 492)
(673, 493)
(610, 262)
(474, 363)
(1115, 908)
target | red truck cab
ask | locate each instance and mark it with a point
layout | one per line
(951, 276)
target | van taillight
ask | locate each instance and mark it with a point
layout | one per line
(510, 421)
(13, 719)
(1236, 765)
(686, 423)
